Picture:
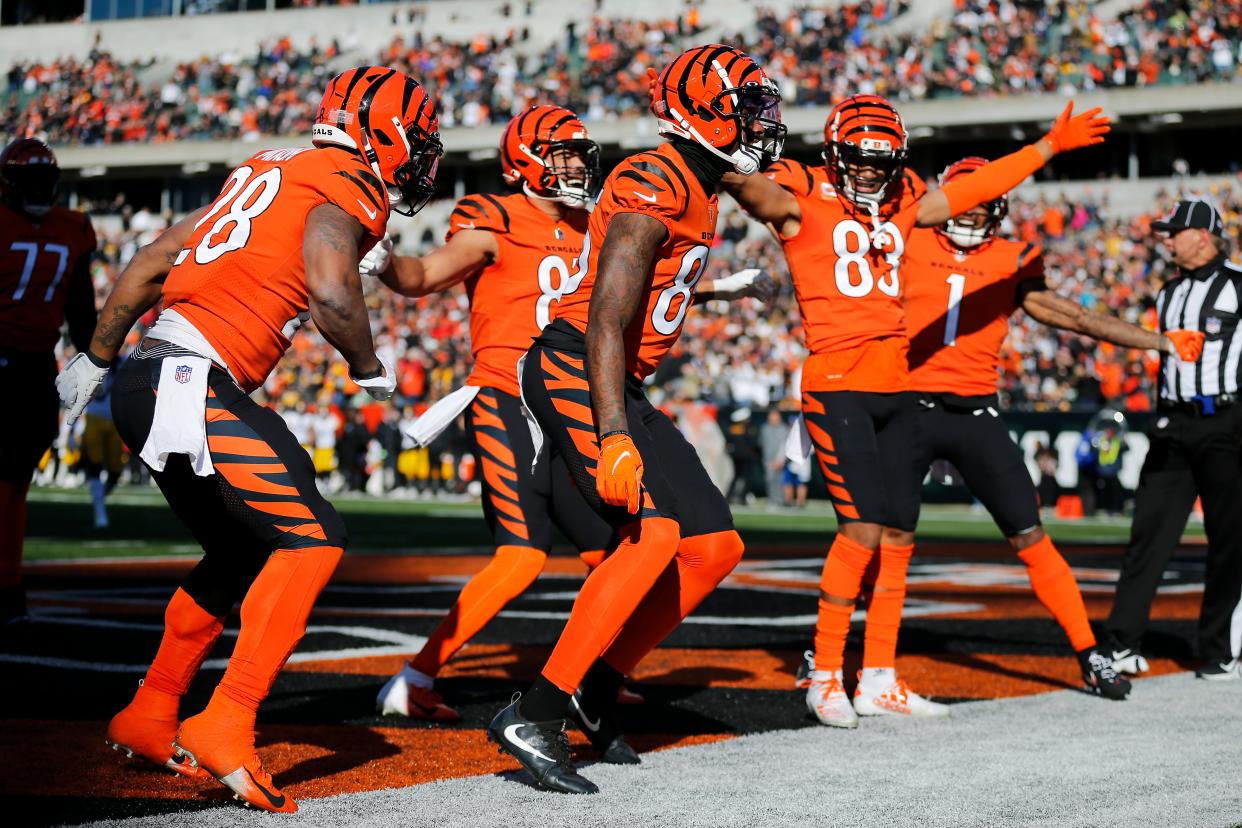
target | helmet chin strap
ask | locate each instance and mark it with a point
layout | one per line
(743, 162)
(570, 199)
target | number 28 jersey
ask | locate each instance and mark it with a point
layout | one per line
(958, 305)
(240, 280)
(660, 185)
(512, 299)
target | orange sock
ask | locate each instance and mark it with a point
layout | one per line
(1057, 590)
(273, 620)
(189, 634)
(842, 578)
(12, 531)
(609, 597)
(702, 563)
(511, 570)
(884, 611)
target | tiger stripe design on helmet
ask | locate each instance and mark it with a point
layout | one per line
(721, 99)
(956, 229)
(388, 118)
(547, 152)
(864, 132)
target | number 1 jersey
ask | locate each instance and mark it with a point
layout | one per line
(512, 299)
(241, 280)
(958, 304)
(658, 184)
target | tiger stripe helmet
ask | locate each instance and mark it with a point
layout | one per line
(718, 97)
(389, 119)
(537, 151)
(29, 176)
(955, 229)
(865, 132)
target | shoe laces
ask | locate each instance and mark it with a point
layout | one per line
(899, 691)
(1102, 666)
(557, 743)
(830, 686)
(255, 766)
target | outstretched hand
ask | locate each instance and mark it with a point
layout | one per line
(1070, 131)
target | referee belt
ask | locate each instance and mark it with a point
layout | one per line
(1202, 406)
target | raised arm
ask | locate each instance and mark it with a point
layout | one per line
(766, 201)
(465, 254)
(1069, 132)
(330, 252)
(138, 288)
(625, 262)
(1047, 307)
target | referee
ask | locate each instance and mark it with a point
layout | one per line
(1196, 449)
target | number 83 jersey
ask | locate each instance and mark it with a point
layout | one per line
(660, 185)
(240, 280)
(848, 280)
(513, 298)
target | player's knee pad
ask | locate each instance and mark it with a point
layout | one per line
(844, 569)
(894, 563)
(593, 557)
(524, 563)
(719, 551)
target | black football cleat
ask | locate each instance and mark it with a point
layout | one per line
(1220, 671)
(540, 747)
(1100, 677)
(599, 723)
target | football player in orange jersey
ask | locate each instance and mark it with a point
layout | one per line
(844, 228)
(642, 257)
(515, 253)
(279, 245)
(45, 280)
(963, 283)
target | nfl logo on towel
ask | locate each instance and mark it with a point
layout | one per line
(1213, 325)
(183, 373)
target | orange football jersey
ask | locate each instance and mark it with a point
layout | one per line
(848, 287)
(958, 305)
(37, 261)
(660, 185)
(512, 299)
(240, 280)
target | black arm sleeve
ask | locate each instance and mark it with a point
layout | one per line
(80, 304)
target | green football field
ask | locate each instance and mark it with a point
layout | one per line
(60, 526)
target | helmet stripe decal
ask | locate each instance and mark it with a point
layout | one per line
(355, 76)
(364, 105)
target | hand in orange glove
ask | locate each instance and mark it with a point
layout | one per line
(619, 476)
(1070, 131)
(1185, 345)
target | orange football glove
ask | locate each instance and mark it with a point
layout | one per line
(619, 476)
(1185, 345)
(1070, 131)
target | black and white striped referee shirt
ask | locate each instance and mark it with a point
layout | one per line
(1205, 300)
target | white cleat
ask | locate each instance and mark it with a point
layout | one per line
(1130, 662)
(897, 700)
(826, 698)
(400, 696)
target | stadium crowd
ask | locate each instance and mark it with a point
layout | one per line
(732, 357)
(988, 48)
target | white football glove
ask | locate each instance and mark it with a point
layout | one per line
(78, 383)
(752, 281)
(378, 258)
(382, 387)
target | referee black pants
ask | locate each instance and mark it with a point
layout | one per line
(1189, 456)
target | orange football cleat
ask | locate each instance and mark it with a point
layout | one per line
(146, 731)
(216, 746)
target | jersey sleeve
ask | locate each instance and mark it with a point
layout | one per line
(651, 184)
(478, 212)
(357, 191)
(1029, 273)
(792, 176)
